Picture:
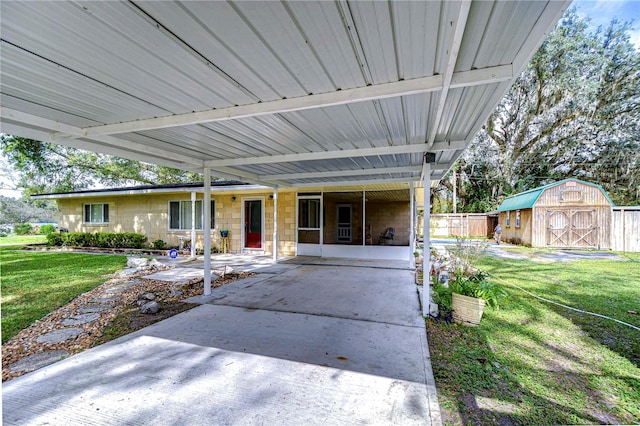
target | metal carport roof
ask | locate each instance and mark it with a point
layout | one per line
(278, 93)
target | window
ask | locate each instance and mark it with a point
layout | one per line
(309, 214)
(96, 213)
(508, 222)
(517, 218)
(180, 214)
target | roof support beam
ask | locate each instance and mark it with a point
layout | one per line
(339, 173)
(45, 136)
(345, 153)
(340, 97)
(244, 176)
(359, 172)
(65, 134)
(454, 50)
(349, 183)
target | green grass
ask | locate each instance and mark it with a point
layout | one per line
(532, 362)
(20, 240)
(36, 283)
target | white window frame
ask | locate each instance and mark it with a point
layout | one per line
(517, 218)
(90, 205)
(319, 202)
(507, 222)
(180, 219)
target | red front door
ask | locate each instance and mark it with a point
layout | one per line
(253, 224)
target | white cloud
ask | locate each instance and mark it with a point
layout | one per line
(603, 11)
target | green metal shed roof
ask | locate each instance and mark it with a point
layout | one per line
(526, 200)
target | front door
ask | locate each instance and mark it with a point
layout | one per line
(343, 233)
(252, 216)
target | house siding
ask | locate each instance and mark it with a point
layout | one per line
(148, 214)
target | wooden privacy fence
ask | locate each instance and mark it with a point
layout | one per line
(625, 229)
(463, 224)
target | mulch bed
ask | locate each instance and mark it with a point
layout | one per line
(124, 310)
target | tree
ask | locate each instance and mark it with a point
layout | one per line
(46, 167)
(573, 112)
(17, 211)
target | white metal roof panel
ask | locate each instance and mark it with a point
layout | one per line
(266, 88)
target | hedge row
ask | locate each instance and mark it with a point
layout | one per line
(99, 239)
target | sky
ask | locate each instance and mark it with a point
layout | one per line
(600, 12)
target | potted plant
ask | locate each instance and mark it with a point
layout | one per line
(470, 294)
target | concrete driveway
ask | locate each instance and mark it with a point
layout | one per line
(296, 344)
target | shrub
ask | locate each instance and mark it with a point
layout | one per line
(159, 245)
(47, 229)
(54, 239)
(99, 239)
(22, 228)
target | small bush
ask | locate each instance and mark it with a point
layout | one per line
(159, 245)
(47, 229)
(54, 239)
(22, 228)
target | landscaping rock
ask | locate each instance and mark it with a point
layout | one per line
(61, 335)
(128, 271)
(147, 296)
(179, 275)
(105, 299)
(150, 308)
(137, 262)
(227, 270)
(36, 361)
(94, 308)
(155, 264)
(80, 319)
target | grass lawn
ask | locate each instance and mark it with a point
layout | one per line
(36, 283)
(532, 362)
(20, 240)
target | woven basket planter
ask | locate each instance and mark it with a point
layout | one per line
(467, 310)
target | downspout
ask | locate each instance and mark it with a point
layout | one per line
(206, 230)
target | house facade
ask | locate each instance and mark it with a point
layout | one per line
(330, 222)
(567, 214)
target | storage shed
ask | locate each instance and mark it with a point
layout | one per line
(567, 214)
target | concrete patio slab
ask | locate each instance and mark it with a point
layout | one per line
(308, 345)
(366, 294)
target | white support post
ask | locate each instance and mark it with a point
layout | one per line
(426, 254)
(193, 224)
(364, 218)
(412, 225)
(206, 230)
(275, 224)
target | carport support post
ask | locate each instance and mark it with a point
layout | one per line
(206, 230)
(193, 224)
(412, 229)
(275, 224)
(426, 252)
